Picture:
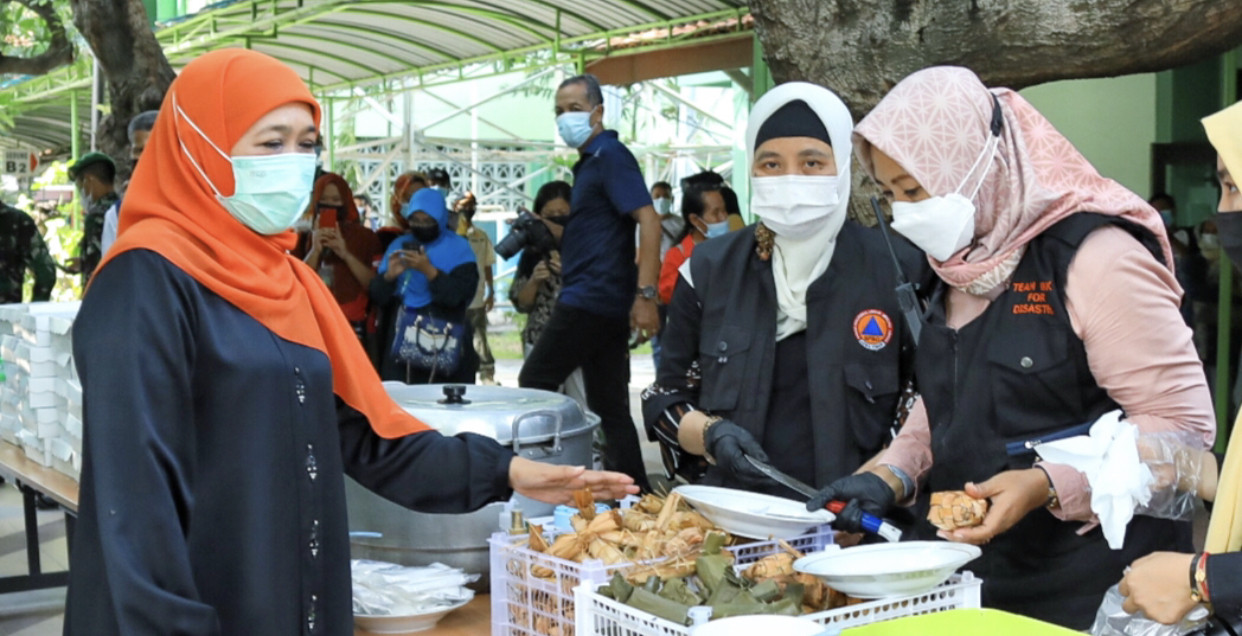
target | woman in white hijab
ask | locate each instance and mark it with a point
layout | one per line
(802, 299)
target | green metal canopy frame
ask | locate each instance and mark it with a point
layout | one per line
(382, 46)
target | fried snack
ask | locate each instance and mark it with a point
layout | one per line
(953, 509)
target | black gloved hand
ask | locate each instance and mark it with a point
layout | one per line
(729, 444)
(865, 492)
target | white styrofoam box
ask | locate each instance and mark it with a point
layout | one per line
(25, 351)
(61, 324)
(36, 448)
(9, 426)
(44, 422)
(73, 427)
(64, 458)
(524, 604)
(70, 389)
(37, 400)
(41, 369)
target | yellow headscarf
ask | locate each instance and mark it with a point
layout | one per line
(1224, 130)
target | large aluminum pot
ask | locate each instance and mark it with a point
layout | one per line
(538, 425)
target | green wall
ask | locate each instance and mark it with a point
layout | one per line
(1112, 121)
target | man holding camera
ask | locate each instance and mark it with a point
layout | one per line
(603, 297)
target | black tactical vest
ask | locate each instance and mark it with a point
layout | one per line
(1013, 376)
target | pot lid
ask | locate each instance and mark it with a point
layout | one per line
(492, 411)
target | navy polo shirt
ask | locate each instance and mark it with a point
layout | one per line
(597, 249)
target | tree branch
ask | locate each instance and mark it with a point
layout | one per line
(59, 51)
(861, 48)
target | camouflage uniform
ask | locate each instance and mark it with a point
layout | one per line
(90, 250)
(22, 248)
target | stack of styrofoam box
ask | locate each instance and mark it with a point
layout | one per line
(39, 374)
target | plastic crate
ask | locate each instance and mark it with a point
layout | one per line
(526, 605)
(600, 616)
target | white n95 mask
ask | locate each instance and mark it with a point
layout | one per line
(270, 192)
(945, 225)
(793, 205)
(940, 226)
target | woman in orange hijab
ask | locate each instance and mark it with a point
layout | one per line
(225, 395)
(340, 247)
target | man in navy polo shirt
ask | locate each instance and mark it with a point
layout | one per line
(603, 296)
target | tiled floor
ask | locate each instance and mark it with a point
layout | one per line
(36, 613)
(40, 613)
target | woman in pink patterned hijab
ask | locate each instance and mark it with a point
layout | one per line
(935, 124)
(1058, 305)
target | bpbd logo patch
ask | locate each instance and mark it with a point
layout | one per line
(873, 329)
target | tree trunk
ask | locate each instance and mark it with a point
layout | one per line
(59, 51)
(861, 48)
(133, 63)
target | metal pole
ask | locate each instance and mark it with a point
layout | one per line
(94, 100)
(329, 139)
(75, 126)
(1224, 352)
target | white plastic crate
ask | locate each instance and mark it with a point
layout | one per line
(526, 605)
(597, 615)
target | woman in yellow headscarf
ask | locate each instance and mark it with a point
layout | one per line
(1165, 586)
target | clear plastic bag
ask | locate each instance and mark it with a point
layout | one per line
(1112, 620)
(388, 589)
(1175, 460)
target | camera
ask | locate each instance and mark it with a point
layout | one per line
(527, 231)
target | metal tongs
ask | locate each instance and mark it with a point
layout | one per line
(870, 522)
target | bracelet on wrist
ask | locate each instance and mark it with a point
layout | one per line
(1053, 501)
(1199, 583)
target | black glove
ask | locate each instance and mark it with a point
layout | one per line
(865, 492)
(729, 444)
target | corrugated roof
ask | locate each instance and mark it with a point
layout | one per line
(340, 44)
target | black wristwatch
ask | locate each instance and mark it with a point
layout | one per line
(647, 291)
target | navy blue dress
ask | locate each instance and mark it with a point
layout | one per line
(212, 497)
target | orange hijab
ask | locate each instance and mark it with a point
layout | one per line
(349, 210)
(171, 210)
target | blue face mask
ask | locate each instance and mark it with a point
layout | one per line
(712, 229)
(575, 128)
(270, 191)
(717, 229)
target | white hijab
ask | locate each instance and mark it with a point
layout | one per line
(799, 261)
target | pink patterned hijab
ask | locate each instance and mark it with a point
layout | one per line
(936, 123)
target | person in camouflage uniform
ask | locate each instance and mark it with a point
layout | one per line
(94, 175)
(21, 249)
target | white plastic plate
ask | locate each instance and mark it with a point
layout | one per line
(753, 515)
(403, 624)
(888, 569)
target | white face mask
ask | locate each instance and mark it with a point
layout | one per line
(794, 205)
(662, 205)
(943, 226)
(270, 192)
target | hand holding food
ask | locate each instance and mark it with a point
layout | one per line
(953, 509)
(1013, 494)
